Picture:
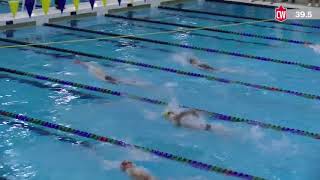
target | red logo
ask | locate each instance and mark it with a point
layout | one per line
(280, 14)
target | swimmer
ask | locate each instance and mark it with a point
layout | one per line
(100, 74)
(196, 63)
(191, 119)
(97, 72)
(135, 172)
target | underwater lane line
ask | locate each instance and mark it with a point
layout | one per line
(234, 16)
(104, 139)
(213, 115)
(212, 29)
(208, 50)
(171, 70)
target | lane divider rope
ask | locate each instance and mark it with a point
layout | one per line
(104, 139)
(214, 115)
(234, 16)
(211, 29)
(175, 71)
(204, 35)
(230, 21)
(143, 34)
(209, 50)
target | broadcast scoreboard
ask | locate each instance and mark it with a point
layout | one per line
(282, 14)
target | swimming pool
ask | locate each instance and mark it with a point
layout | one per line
(156, 59)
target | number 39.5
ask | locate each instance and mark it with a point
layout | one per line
(302, 14)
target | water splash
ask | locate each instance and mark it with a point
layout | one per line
(137, 155)
(173, 106)
(110, 165)
(271, 145)
(315, 48)
(182, 58)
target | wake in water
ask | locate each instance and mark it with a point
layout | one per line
(269, 144)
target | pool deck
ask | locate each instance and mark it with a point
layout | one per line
(38, 17)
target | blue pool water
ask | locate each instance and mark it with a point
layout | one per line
(4, 7)
(30, 152)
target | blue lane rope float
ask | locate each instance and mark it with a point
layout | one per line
(104, 139)
(214, 115)
(230, 21)
(171, 70)
(211, 29)
(209, 50)
(234, 16)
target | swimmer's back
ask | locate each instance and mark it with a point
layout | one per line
(139, 174)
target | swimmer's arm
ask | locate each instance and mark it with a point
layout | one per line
(207, 67)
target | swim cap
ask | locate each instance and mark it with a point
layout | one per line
(166, 114)
(125, 165)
